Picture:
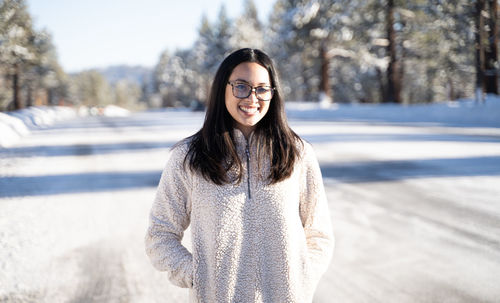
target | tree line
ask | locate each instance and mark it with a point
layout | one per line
(346, 51)
(30, 73)
(363, 51)
(28, 63)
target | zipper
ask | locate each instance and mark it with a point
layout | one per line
(247, 152)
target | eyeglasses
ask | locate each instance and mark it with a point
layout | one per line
(243, 90)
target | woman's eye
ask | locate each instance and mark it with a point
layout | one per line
(262, 90)
(241, 87)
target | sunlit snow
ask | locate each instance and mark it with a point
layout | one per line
(413, 193)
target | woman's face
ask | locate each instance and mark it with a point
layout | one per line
(249, 111)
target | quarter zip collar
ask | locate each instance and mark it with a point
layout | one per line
(240, 139)
(245, 152)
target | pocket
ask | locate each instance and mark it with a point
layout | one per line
(192, 296)
(193, 290)
(305, 265)
(194, 267)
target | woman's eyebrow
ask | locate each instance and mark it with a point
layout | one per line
(258, 84)
(240, 80)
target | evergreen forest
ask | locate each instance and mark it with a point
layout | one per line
(343, 51)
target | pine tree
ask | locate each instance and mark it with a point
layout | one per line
(90, 88)
(248, 29)
(126, 93)
(221, 45)
(51, 80)
(16, 51)
(28, 61)
(294, 48)
(439, 50)
(394, 68)
(487, 33)
(201, 61)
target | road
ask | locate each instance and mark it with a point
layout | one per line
(415, 207)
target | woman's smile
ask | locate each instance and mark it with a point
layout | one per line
(249, 110)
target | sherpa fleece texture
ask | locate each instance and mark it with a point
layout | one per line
(252, 241)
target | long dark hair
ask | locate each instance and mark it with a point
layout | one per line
(212, 150)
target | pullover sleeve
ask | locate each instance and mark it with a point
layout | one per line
(169, 218)
(315, 215)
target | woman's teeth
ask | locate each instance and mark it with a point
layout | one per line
(249, 110)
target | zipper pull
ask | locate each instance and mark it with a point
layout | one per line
(247, 152)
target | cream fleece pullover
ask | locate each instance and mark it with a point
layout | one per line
(252, 241)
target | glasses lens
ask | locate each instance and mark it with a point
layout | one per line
(264, 93)
(241, 90)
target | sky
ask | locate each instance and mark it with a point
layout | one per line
(96, 33)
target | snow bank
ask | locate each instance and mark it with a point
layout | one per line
(452, 113)
(115, 111)
(16, 124)
(108, 111)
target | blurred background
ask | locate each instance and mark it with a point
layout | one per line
(156, 54)
(399, 100)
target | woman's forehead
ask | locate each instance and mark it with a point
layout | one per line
(250, 72)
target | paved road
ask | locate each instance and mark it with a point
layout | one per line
(416, 210)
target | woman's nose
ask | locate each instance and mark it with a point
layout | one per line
(253, 95)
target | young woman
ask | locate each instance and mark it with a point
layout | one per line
(251, 190)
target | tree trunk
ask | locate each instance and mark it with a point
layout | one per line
(383, 89)
(451, 90)
(16, 87)
(50, 97)
(490, 52)
(393, 84)
(29, 95)
(401, 71)
(479, 33)
(324, 84)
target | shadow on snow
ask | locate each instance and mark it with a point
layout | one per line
(374, 171)
(321, 138)
(80, 149)
(108, 148)
(353, 172)
(76, 183)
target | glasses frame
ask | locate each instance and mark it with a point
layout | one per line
(252, 89)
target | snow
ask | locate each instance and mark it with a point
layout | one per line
(452, 113)
(16, 124)
(413, 194)
(115, 111)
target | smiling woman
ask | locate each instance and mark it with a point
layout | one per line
(252, 191)
(245, 107)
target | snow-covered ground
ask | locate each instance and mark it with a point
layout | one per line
(16, 124)
(413, 194)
